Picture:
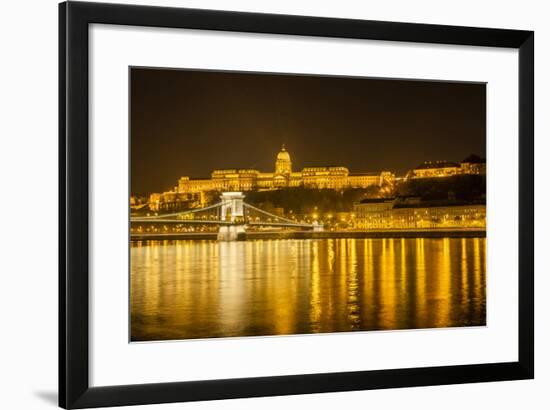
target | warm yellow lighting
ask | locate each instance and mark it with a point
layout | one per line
(336, 178)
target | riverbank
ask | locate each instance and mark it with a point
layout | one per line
(393, 233)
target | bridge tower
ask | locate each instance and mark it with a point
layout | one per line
(232, 206)
(232, 210)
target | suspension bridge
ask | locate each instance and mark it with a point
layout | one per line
(231, 214)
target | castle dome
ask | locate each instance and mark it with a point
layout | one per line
(283, 155)
(283, 165)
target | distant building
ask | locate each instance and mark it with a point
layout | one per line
(398, 213)
(171, 201)
(474, 165)
(240, 179)
(434, 169)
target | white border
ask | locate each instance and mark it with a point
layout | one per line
(114, 361)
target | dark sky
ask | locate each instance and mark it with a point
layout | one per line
(190, 122)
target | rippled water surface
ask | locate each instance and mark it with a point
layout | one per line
(201, 289)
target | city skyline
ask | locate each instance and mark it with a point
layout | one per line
(191, 122)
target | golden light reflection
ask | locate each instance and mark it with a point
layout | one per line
(315, 299)
(198, 289)
(420, 279)
(479, 273)
(444, 286)
(387, 291)
(464, 271)
(352, 286)
(477, 263)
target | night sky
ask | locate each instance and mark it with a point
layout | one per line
(191, 122)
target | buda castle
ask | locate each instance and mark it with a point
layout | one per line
(330, 177)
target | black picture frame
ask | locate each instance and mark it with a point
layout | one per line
(74, 387)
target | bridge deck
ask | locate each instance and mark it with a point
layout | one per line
(216, 222)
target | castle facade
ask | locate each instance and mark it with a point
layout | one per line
(330, 177)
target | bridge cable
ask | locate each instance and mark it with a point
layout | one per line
(269, 214)
(192, 211)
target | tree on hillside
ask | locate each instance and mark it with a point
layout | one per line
(461, 187)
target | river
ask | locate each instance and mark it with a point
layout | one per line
(187, 289)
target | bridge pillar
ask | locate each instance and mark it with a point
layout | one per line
(232, 206)
(229, 233)
(317, 227)
(232, 209)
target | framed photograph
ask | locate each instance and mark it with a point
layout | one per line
(256, 204)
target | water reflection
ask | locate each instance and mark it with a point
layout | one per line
(200, 289)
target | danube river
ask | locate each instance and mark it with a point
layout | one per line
(199, 289)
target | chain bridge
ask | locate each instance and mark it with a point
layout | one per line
(231, 214)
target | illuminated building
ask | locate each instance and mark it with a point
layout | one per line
(325, 177)
(407, 214)
(367, 179)
(283, 164)
(330, 177)
(433, 169)
(472, 165)
(171, 201)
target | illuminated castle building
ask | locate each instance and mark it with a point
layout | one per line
(472, 165)
(329, 177)
(282, 177)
